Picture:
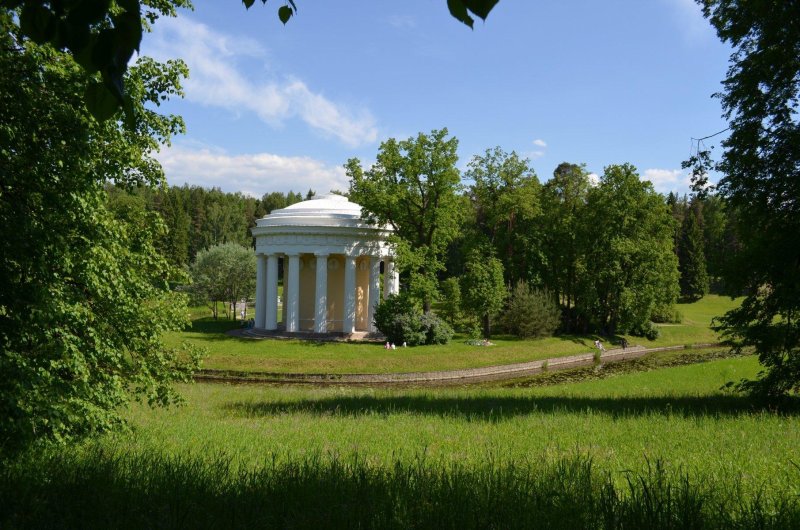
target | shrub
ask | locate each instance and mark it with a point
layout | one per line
(401, 320)
(530, 312)
(647, 330)
(436, 330)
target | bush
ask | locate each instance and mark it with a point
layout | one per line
(436, 330)
(401, 320)
(647, 330)
(530, 312)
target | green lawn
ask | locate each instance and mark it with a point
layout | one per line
(287, 356)
(695, 326)
(676, 414)
(656, 449)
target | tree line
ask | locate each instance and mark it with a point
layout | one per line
(613, 254)
(198, 218)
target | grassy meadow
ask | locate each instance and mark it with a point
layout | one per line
(659, 448)
(655, 442)
(296, 356)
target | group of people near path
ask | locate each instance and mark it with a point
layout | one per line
(602, 349)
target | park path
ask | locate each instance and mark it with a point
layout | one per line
(469, 375)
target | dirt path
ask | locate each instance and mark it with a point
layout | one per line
(470, 375)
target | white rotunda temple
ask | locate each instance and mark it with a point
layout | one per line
(331, 264)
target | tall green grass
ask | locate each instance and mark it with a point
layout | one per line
(99, 489)
(655, 449)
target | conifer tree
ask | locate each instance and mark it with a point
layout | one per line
(691, 258)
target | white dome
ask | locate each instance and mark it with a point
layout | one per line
(325, 210)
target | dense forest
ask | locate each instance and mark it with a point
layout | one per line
(197, 218)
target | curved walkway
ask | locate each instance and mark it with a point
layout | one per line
(470, 375)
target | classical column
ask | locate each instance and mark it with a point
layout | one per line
(374, 288)
(349, 294)
(261, 292)
(272, 292)
(388, 277)
(395, 279)
(321, 295)
(293, 296)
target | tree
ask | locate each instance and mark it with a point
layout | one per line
(530, 312)
(84, 295)
(413, 187)
(760, 165)
(630, 265)
(563, 250)
(224, 272)
(102, 36)
(691, 257)
(505, 198)
(483, 287)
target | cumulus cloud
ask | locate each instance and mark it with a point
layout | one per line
(252, 174)
(217, 80)
(666, 180)
(539, 142)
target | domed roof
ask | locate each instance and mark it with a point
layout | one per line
(325, 210)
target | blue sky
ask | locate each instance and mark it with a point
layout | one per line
(274, 108)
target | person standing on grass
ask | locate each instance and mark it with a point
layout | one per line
(599, 346)
(624, 343)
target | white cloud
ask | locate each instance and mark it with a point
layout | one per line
(216, 80)
(666, 180)
(594, 179)
(533, 155)
(251, 174)
(539, 142)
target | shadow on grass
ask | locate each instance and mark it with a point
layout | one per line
(209, 325)
(500, 408)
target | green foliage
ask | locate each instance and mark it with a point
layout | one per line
(630, 266)
(450, 309)
(761, 182)
(224, 273)
(412, 187)
(505, 200)
(691, 258)
(85, 296)
(436, 330)
(401, 320)
(647, 330)
(398, 318)
(483, 287)
(530, 313)
(562, 241)
(666, 314)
